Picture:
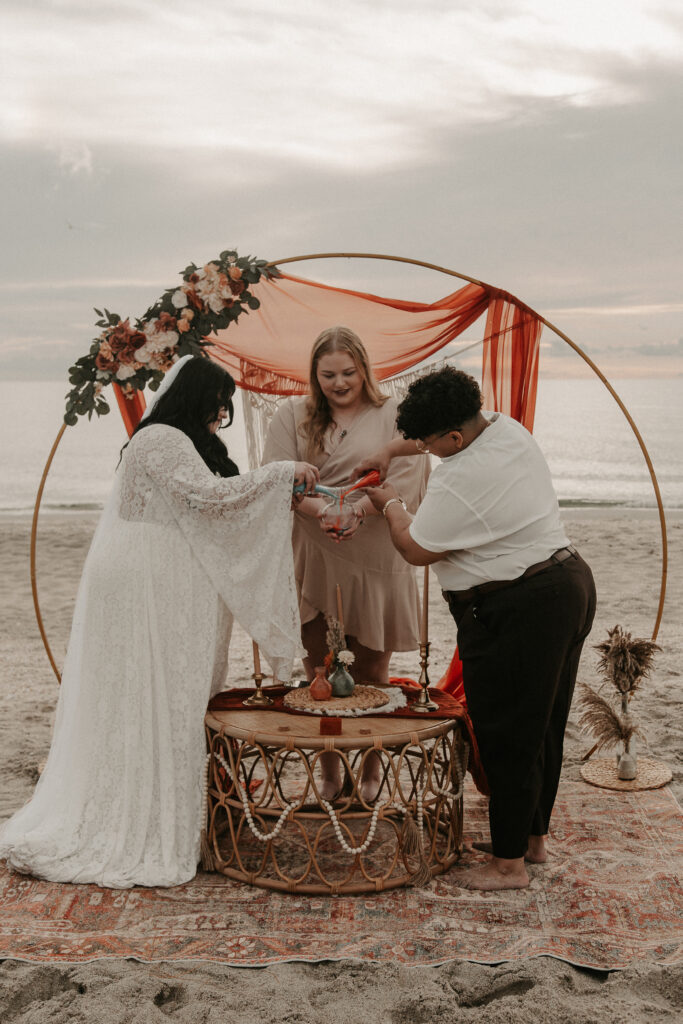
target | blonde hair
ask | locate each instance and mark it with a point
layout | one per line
(318, 416)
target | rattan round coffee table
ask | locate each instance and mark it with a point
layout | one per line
(269, 826)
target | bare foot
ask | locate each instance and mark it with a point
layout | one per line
(330, 775)
(497, 874)
(329, 787)
(369, 788)
(371, 779)
(535, 854)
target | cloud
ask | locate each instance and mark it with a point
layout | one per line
(359, 89)
(532, 147)
(75, 158)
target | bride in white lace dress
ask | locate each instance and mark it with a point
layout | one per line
(178, 554)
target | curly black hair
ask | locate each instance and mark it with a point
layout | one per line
(438, 402)
(191, 403)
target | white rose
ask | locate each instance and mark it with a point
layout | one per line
(144, 353)
(124, 371)
(179, 299)
(161, 340)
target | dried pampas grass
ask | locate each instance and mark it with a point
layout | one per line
(625, 662)
(601, 720)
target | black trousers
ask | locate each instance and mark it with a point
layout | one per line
(520, 648)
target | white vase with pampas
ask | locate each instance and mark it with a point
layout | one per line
(624, 662)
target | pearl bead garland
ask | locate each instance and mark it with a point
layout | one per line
(340, 835)
(264, 837)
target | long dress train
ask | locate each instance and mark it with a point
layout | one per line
(177, 555)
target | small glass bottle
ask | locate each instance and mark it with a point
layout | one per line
(321, 688)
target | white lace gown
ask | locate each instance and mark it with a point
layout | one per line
(178, 554)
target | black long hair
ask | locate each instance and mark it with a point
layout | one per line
(191, 403)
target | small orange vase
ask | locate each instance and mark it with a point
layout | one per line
(321, 688)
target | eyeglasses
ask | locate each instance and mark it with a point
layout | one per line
(424, 449)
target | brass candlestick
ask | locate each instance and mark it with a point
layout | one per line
(258, 699)
(424, 702)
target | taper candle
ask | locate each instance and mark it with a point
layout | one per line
(340, 612)
(424, 625)
(257, 658)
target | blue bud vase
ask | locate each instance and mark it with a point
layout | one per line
(341, 681)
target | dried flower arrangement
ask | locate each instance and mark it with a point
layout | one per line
(624, 662)
(208, 299)
(338, 659)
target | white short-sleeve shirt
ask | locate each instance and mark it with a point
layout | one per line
(490, 508)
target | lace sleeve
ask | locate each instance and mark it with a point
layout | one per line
(238, 528)
(169, 458)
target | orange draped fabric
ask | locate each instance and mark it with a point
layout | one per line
(269, 350)
(509, 383)
(510, 369)
(131, 407)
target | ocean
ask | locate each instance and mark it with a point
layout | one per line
(593, 454)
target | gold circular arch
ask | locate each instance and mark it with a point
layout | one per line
(442, 270)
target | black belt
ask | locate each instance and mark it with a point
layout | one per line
(466, 596)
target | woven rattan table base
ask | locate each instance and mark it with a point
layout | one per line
(262, 763)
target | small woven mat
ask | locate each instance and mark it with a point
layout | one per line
(363, 698)
(602, 771)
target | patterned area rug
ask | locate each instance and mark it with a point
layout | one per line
(611, 895)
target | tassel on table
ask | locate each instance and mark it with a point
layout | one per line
(206, 857)
(413, 847)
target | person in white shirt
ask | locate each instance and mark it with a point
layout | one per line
(522, 597)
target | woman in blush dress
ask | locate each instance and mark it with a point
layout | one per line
(344, 416)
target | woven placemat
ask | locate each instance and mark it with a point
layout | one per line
(363, 698)
(602, 771)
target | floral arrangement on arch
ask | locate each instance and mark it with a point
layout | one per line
(135, 356)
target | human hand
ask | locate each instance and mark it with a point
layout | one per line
(356, 521)
(379, 460)
(338, 523)
(306, 474)
(379, 496)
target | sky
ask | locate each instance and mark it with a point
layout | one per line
(531, 145)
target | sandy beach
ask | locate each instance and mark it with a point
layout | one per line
(623, 548)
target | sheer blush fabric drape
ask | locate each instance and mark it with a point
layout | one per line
(178, 554)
